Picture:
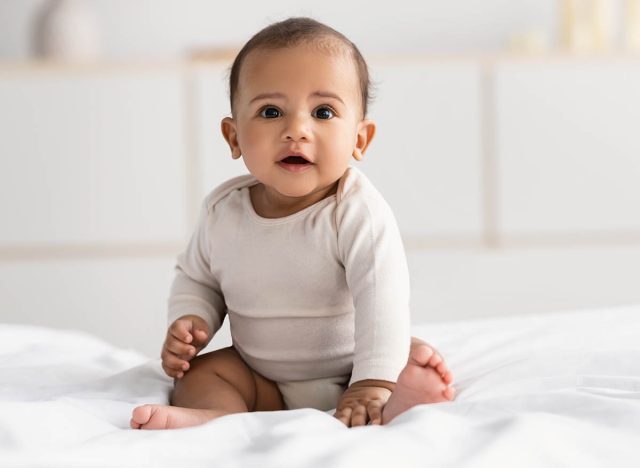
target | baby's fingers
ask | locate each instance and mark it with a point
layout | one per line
(191, 330)
(359, 416)
(180, 331)
(344, 415)
(201, 337)
(172, 372)
(374, 410)
(180, 349)
(173, 365)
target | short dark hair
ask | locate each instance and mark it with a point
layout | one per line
(290, 33)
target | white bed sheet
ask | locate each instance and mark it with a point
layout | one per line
(546, 390)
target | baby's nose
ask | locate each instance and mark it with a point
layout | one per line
(297, 128)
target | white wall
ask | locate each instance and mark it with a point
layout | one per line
(161, 28)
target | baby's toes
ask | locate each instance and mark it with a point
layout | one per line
(444, 372)
(140, 416)
(435, 361)
(420, 355)
(449, 393)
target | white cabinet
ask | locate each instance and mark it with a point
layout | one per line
(426, 157)
(122, 300)
(95, 156)
(92, 198)
(568, 147)
(455, 284)
(211, 104)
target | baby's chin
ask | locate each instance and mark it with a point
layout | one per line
(304, 191)
(295, 194)
(294, 190)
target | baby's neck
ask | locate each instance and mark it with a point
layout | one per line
(268, 204)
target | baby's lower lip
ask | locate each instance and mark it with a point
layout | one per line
(295, 167)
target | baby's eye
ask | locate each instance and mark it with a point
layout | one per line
(324, 113)
(269, 112)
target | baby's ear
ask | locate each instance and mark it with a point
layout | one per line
(228, 127)
(366, 132)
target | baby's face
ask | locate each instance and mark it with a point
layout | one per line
(298, 101)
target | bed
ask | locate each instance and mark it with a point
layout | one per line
(559, 389)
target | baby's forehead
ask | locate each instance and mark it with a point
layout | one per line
(335, 65)
(336, 54)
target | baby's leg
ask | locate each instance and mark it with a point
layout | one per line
(217, 383)
(425, 379)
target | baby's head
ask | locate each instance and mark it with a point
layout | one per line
(298, 88)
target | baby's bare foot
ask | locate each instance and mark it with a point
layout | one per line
(170, 417)
(425, 379)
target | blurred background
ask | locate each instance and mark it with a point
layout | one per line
(508, 146)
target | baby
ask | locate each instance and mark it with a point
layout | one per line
(303, 254)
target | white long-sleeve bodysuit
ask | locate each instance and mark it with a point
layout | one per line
(321, 293)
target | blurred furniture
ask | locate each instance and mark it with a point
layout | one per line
(515, 182)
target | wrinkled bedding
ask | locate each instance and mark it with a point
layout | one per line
(560, 389)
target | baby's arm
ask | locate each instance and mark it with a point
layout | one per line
(373, 256)
(196, 303)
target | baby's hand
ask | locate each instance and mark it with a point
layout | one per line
(185, 339)
(362, 403)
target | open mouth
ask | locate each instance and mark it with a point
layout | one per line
(295, 163)
(295, 160)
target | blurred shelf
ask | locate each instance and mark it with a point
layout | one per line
(35, 252)
(42, 66)
(550, 56)
(203, 59)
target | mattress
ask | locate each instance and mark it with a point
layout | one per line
(555, 389)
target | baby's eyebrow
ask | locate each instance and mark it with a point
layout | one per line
(267, 96)
(326, 94)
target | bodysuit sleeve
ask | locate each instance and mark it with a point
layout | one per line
(372, 253)
(195, 290)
